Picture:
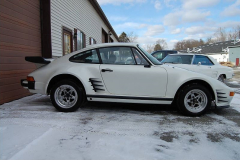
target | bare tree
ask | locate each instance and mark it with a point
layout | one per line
(160, 45)
(209, 40)
(234, 33)
(190, 43)
(132, 37)
(220, 35)
(150, 48)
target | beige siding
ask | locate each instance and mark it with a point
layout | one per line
(75, 14)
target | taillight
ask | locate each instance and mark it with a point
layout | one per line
(30, 79)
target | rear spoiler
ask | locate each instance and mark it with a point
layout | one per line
(40, 60)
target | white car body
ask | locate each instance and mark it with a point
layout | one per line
(152, 84)
(214, 70)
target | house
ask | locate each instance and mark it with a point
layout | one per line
(227, 51)
(234, 54)
(219, 50)
(47, 28)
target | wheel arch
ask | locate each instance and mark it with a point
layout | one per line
(202, 82)
(224, 75)
(56, 79)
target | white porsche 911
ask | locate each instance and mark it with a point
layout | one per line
(123, 72)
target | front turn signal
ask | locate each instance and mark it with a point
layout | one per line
(231, 94)
(30, 79)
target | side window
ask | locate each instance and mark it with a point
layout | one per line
(117, 55)
(203, 59)
(158, 55)
(138, 57)
(85, 57)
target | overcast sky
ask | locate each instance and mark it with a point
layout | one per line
(172, 20)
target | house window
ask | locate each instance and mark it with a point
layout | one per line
(79, 38)
(67, 41)
(92, 41)
(104, 36)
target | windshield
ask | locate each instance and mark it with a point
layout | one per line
(149, 56)
(181, 59)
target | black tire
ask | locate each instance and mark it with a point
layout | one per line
(221, 78)
(67, 96)
(194, 100)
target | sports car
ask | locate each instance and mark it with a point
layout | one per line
(123, 72)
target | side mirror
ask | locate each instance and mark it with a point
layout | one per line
(199, 63)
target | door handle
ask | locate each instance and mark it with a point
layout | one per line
(107, 70)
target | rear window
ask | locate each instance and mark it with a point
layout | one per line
(203, 59)
(181, 59)
(85, 57)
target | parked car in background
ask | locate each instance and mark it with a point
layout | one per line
(160, 55)
(200, 63)
(123, 72)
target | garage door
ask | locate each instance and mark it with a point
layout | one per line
(20, 36)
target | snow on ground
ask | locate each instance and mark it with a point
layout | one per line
(235, 103)
(233, 82)
(31, 129)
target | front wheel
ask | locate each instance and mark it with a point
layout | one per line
(194, 100)
(67, 96)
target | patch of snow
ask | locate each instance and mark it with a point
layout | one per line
(30, 128)
(222, 119)
(233, 82)
(235, 103)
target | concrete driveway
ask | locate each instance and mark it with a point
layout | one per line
(30, 128)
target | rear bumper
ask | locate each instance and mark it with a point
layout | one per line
(27, 84)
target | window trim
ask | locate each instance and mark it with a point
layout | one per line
(106, 36)
(75, 38)
(201, 63)
(90, 42)
(131, 47)
(141, 55)
(68, 31)
(100, 61)
(116, 64)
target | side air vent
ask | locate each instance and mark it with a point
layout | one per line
(96, 84)
(221, 97)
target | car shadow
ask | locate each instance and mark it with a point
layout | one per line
(153, 108)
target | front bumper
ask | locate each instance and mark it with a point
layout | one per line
(27, 84)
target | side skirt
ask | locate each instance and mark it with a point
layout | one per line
(128, 99)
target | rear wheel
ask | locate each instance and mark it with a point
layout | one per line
(194, 100)
(67, 96)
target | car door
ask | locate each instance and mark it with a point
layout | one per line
(122, 76)
(204, 65)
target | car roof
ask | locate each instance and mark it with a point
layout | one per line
(101, 45)
(189, 54)
(163, 51)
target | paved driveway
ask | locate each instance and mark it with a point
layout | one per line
(30, 128)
